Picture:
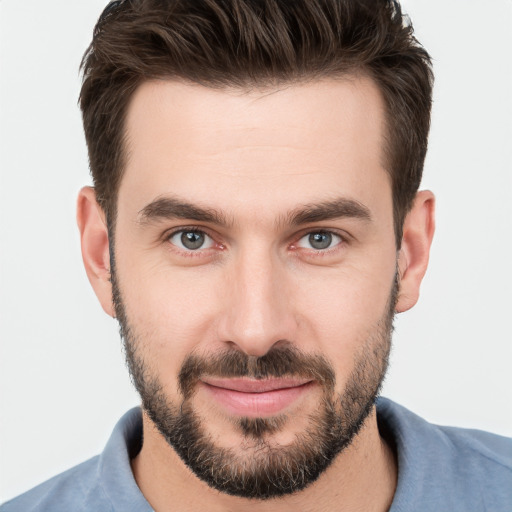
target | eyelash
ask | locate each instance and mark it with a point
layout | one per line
(343, 240)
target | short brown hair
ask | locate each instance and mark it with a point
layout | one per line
(247, 43)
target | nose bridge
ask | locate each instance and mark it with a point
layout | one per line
(259, 315)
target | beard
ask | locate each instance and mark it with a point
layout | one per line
(262, 469)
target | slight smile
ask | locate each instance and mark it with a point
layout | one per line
(256, 398)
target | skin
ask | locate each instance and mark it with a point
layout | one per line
(257, 157)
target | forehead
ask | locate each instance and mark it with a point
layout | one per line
(257, 148)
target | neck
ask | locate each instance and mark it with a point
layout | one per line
(362, 477)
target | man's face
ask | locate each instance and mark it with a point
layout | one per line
(255, 274)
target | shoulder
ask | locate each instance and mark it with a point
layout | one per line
(102, 484)
(447, 468)
(482, 465)
(70, 490)
(490, 449)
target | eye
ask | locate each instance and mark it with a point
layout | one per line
(319, 240)
(191, 240)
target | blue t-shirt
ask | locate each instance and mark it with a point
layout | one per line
(440, 469)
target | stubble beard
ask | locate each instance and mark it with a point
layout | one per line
(263, 469)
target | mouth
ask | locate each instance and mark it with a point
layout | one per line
(256, 398)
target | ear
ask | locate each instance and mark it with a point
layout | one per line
(95, 247)
(414, 253)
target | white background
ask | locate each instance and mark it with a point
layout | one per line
(62, 376)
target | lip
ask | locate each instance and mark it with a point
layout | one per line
(256, 398)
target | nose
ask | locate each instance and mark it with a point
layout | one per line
(258, 311)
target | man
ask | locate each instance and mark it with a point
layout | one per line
(254, 226)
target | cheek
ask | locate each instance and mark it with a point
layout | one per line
(171, 313)
(342, 311)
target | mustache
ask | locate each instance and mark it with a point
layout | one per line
(277, 362)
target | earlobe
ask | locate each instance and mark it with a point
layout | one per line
(414, 253)
(95, 246)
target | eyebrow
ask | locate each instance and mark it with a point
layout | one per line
(166, 208)
(330, 210)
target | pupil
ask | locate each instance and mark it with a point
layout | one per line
(192, 240)
(320, 240)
